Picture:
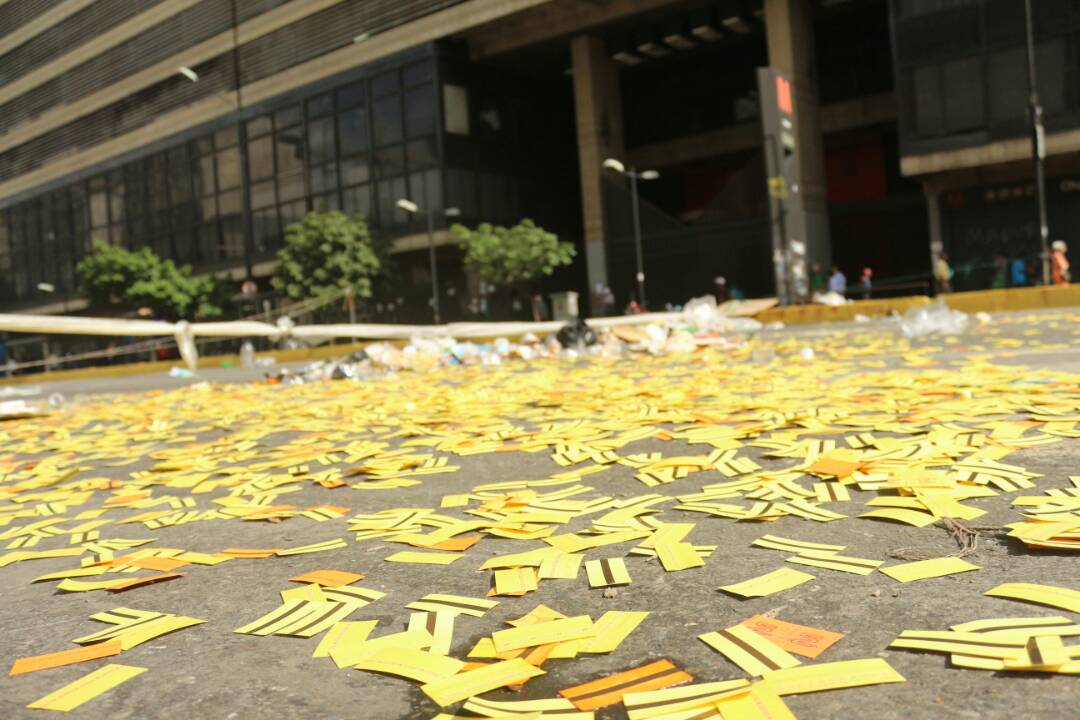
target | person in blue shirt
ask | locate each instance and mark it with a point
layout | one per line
(1019, 272)
(837, 281)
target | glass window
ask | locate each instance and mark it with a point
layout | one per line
(320, 140)
(326, 203)
(228, 169)
(351, 95)
(232, 238)
(179, 180)
(421, 153)
(355, 170)
(184, 243)
(208, 208)
(99, 203)
(352, 131)
(204, 145)
(389, 161)
(116, 195)
(290, 151)
(928, 106)
(291, 187)
(266, 229)
(389, 192)
(259, 126)
(1007, 72)
(293, 212)
(229, 203)
(386, 118)
(208, 242)
(385, 84)
(320, 105)
(420, 111)
(287, 116)
(205, 183)
(418, 73)
(963, 94)
(357, 200)
(456, 109)
(225, 137)
(324, 178)
(262, 194)
(261, 158)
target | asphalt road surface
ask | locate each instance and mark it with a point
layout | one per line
(164, 447)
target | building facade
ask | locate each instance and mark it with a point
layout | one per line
(202, 128)
(961, 75)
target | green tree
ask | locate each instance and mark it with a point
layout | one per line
(325, 253)
(114, 276)
(506, 256)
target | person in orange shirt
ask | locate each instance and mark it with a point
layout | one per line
(1059, 263)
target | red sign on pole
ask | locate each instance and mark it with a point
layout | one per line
(783, 95)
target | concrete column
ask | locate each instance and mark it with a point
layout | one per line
(789, 30)
(598, 108)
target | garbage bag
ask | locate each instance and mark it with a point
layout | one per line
(575, 334)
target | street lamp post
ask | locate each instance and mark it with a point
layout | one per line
(1038, 143)
(413, 209)
(634, 175)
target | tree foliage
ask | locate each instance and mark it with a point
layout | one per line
(506, 256)
(325, 253)
(113, 275)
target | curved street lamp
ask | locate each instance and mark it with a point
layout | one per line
(413, 209)
(635, 175)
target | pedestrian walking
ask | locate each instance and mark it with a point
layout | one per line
(1018, 273)
(722, 294)
(943, 274)
(837, 281)
(866, 281)
(817, 278)
(1059, 263)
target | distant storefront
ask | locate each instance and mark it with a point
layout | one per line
(984, 225)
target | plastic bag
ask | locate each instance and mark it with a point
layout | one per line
(936, 318)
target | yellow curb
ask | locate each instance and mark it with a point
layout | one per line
(806, 314)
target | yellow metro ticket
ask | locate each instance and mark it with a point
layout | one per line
(510, 581)
(676, 556)
(611, 629)
(440, 625)
(561, 708)
(669, 701)
(753, 653)
(982, 644)
(757, 702)
(560, 566)
(347, 655)
(832, 676)
(304, 592)
(1042, 594)
(464, 685)
(571, 628)
(425, 558)
(1021, 626)
(419, 665)
(924, 569)
(459, 604)
(769, 583)
(87, 687)
(344, 635)
(607, 572)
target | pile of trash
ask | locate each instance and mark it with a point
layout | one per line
(701, 324)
